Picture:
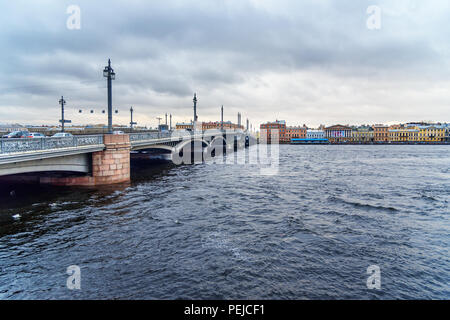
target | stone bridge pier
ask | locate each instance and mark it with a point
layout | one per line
(109, 166)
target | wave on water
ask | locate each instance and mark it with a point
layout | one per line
(362, 205)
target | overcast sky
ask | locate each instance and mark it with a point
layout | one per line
(313, 62)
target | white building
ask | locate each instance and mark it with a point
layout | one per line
(315, 134)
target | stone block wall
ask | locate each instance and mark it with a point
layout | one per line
(109, 166)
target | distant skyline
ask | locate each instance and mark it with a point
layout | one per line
(306, 62)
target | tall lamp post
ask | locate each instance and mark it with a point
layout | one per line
(159, 126)
(132, 122)
(108, 73)
(195, 107)
(62, 102)
(221, 118)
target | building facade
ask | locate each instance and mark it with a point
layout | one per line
(363, 134)
(432, 133)
(403, 134)
(184, 126)
(380, 133)
(227, 125)
(315, 134)
(270, 130)
(420, 132)
(295, 132)
(338, 133)
(447, 132)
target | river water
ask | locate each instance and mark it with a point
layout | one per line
(216, 231)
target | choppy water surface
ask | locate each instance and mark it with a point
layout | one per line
(227, 232)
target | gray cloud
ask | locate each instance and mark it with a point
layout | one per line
(307, 61)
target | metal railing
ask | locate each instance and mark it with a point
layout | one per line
(145, 136)
(14, 145)
(47, 143)
(149, 136)
(177, 134)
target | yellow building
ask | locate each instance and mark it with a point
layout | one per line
(184, 125)
(403, 134)
(432, 133)
(362, 134)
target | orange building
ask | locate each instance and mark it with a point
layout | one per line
(209, 125)
(184, 125)
(227, 125)
(268, 131)
(295, 132)
(380, 133)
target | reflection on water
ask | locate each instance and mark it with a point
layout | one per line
(212, 231)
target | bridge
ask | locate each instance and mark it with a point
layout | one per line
(105, 159)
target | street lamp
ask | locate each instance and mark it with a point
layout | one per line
(62, 102)
(195, 107)
(221, 119)
(109, 73)
(132, 122)
(159, 126)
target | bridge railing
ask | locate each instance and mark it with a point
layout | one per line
(47, 143)
(176, 134)
(149, 136)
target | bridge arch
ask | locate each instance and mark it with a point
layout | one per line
(155, 146)
(213, 141)
(179, 147)
(217, 147)
(80, 163)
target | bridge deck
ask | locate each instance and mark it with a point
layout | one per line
(17, 150)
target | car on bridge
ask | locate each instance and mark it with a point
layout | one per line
(36, 135)
(16, 134)
(62, 135)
